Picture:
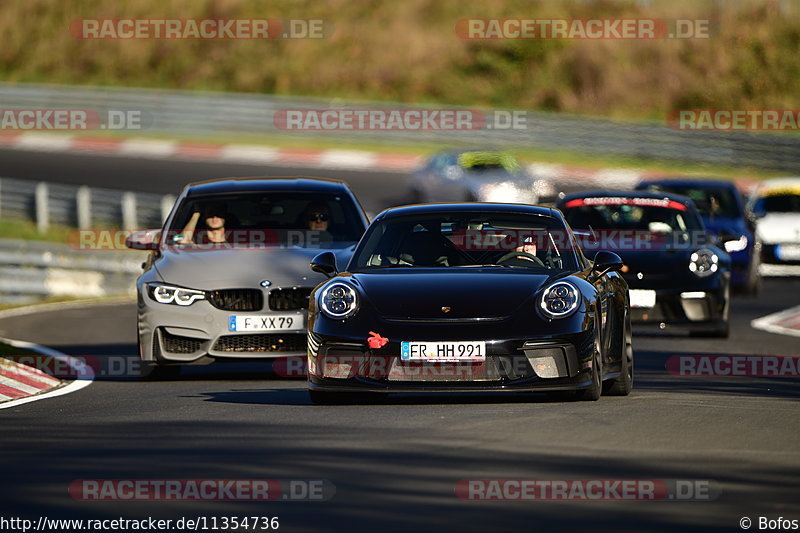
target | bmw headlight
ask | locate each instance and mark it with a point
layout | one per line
(559, 300)
(339, 300)
(168, 294)
(703, 262)
(736, 246)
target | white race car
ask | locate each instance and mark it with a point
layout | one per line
(776, 206)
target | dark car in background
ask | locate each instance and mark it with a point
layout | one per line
(724, 213)
(228, 275)
(678, 275)
(475, 176)
(469, 297)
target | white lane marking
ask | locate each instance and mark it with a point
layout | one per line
(245, 153)
(147, 148)
(44, 142)
(347, 159)
(57, 306)
(769, 323)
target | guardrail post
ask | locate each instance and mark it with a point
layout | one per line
(167, 201)
(129, 221)
(42, 208)
(83, 202)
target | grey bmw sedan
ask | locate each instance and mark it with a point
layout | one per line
(227, 276)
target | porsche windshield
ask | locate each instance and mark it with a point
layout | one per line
(295, 219)
(456, 240)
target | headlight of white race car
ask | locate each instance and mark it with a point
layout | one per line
(736, 246)
(169, 294)
(703, 263)
(338, 301)
(559, 300)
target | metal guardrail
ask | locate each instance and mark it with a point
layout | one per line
(32, 270)
(80, 206)
(35, 270)
(189, 112)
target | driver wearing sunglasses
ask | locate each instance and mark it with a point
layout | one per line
(317, 216)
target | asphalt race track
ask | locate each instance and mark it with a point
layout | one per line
(395, 465)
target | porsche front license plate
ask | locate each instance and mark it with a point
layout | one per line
(265, 323)
(443, 351)
(642, 298)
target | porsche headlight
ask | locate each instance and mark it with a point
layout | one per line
(736, 246)
(559, 300)
(703, 263)
(339, 300)
(168, 294)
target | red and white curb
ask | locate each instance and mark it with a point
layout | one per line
(783, 322)
(21, 384)
(233, 153)
(610, 178)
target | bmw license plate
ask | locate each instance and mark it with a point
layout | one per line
(265, 323)
(642, 298)
(443, 351)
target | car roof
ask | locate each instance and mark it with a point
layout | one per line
(602, 193)
(778, 183)
(258, 184)
(471, 207)
(686, 182)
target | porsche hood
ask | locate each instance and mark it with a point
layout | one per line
(450, 294)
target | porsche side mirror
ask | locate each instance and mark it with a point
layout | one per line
(142, 240)
(324, 263)
(605, 262)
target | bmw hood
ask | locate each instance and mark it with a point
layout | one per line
(776, 228)
(467, 294)
(230, 269)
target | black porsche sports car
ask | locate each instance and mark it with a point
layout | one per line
(469, 297)
(678, 274)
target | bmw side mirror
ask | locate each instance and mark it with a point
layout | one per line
(142, 240)
(324, 263)
(605, 262)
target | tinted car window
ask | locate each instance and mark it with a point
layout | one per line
(648, 215)
(710, 201)
(279, 218)
(778, 203)
(467, 240)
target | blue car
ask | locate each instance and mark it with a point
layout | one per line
(722, 209)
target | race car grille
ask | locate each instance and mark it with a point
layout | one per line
(237, 299)
(293, 342)
(177, 344)
(289, 299)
